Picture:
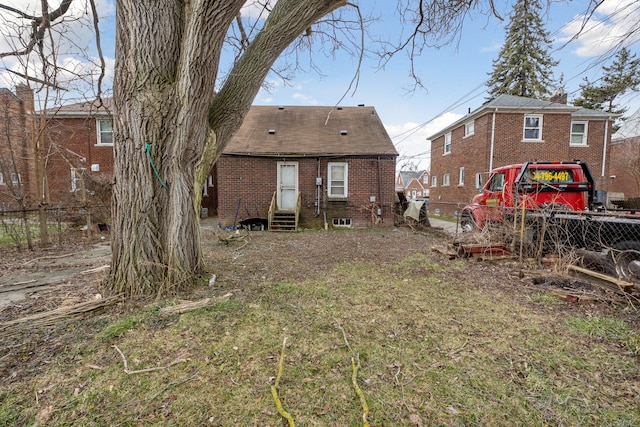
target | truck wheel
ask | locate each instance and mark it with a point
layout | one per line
(468, 225)
(626, 259)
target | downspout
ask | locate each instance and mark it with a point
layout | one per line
(379, 189)
(493, 137)
(318, 189)
(604, 153)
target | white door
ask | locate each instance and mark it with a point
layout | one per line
(287, 194)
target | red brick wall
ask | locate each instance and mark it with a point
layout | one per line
(473, 153)
(15, 150)
(72, 142)
(253, 181)
(625, 166)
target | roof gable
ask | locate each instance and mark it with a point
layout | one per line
(310, 130)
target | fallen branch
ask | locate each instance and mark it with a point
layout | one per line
(140, 371)
(95, 270)
(53, 317)
(193, 305)
(355, 365)
(274, 389)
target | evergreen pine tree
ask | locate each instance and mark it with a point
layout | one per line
(621, 76)
(524, 66)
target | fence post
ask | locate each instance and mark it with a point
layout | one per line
(59, 223)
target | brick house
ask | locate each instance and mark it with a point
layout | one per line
(16, 148)
(79, 141)
(624, 170)
(510, 129)
(414, 184)
(334, 166)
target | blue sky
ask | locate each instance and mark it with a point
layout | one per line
(454, 75)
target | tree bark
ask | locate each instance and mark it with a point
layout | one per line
(170, 125)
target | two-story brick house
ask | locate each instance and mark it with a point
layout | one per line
(16, 149)
(510, 129)
(337, 163)
(79, 141)
(414, 184)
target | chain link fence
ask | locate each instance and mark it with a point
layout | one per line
(607, 242)
(37, 228)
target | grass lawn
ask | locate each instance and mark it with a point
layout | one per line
(377, 326)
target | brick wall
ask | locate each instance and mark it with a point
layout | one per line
(72, 143)
(15, 149)
(473, 153)
(625, 166)
(253, 181)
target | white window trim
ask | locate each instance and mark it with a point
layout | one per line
(446, 180)
(461, 177)
(479, 180)
(16, 179)
(466, 128)
(447, 136)
(75, 180)
(524, 127)
(584, 135)
(99, 133)
(330, 179)
(434, 181)
(2, 179)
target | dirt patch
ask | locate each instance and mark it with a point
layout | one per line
(46, 278)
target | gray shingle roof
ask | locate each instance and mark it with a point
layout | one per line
(511, 103)
(408, 176)
(310, 130)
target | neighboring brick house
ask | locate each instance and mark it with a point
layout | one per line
(414, 184)
(624, 170)
(79, 141)
(16, 148)
(510, 129)
(338, 162)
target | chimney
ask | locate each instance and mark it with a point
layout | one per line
(25, 94)
(559, 97)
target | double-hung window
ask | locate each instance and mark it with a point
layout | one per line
(469, 128)
(434, 181)
(461, 177)
(532, 127)
(338, 177)
(446, 180)
(447, 143)
(578, 134)
(105, 132)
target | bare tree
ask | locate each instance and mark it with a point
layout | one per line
(171, 124)
(37, 49)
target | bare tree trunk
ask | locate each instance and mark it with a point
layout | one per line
(170, 125)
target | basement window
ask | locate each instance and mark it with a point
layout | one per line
(342, 222)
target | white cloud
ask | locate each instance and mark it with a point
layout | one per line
(255, 10)
(410, 139)
(304, 99)
(612, 24)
